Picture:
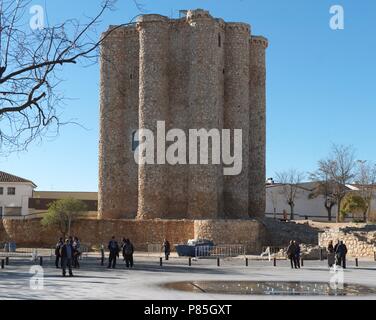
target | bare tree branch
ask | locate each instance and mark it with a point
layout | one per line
(30, 64)
(290, 181)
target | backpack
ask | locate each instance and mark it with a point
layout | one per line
(127, 249)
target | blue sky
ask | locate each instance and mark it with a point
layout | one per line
(321, 86)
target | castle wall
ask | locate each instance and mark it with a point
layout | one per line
(236, 114)
(196, 72)
(257, 129)
(118, 117)
(154, 43)
(93, 232)
(178, 73)
(249, 233)
(206, 111)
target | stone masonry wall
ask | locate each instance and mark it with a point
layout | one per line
(93, 232)
(194, 72)
(358, 243)
(250, 233)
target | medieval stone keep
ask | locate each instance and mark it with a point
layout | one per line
(194, 72)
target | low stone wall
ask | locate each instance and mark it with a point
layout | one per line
(93, 232)
(358, 243)
(280, 233)
(250, 233)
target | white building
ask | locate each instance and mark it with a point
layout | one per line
(306, 207)
(14, 195)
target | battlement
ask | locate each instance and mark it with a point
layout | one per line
(120, 32)
(238, 26)
(198, 14)
(152, 18)
(259, 40)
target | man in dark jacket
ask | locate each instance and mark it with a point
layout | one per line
(291, 254)
(336, 246)
(66, 253)
(128, 250)
(166, 248)
(297, 254)
(58, 246)
(114, 252)
(341, 254)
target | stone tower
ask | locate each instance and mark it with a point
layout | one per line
(194, 72)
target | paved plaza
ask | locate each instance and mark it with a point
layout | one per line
(146, 279)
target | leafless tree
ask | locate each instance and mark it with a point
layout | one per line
(339, 170)
(366, 181)
(326, 188)
(31, 61)
(290, 181)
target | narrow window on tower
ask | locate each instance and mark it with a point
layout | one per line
(135, 141)
(219, 40)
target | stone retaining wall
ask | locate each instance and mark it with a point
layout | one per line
(250, 233)
(93, 232)
(358, 243)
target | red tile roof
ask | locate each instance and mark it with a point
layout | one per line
(7, 177)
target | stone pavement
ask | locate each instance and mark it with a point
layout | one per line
(93, 281)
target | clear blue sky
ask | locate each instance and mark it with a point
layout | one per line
(321, 86)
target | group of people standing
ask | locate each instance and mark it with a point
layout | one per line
(337, 254)
(293, 253)
(67, 254)
(127, 249)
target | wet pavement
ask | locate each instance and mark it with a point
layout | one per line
(23, 279)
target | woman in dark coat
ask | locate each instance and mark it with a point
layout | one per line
(166, 248)
(331, 254)
(291, 253)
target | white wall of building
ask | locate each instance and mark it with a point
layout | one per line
(24, 191)
(314, 208)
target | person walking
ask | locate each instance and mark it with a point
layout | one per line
(76, 252)
(166, 248)
(297, 254)
(336, 246)
(128, 250)
(114, 252)
(331, 254)
(58, 246)
(66, 253)
(122, 247)
(291, 252)
(341, 255)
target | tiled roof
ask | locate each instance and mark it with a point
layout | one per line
(7, 177)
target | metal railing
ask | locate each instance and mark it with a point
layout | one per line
(220, 251)
(31, 253)
(154, 248)
(273, 252)
(273, 249)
